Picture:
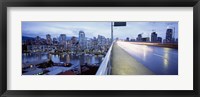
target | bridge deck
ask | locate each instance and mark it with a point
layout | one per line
(125, 64)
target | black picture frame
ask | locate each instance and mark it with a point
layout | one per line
(98, 3)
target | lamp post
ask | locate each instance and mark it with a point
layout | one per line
(116, 24)
(111, 31)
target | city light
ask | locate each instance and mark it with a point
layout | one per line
(149, 49)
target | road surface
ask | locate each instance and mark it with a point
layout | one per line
(124, 64)
(159, 60)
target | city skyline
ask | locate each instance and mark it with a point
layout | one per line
(84, 48)
(93, 29)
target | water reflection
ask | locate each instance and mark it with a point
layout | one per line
(66, 58)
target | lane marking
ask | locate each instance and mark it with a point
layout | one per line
(160, 56)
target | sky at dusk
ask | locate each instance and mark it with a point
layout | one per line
(93, 29)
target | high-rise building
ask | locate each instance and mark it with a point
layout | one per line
(37, 40)
(89, 43)
(95, 43)
(82, 39)
(153, 37)
(48, 39)
(127, 39)
(101, 40)
(145, 39)
(139, 38)
(159, 39)
(74, 40)
(55, 41)
(132, 39)
(169, 38)
(176, 40)
(74, 44)
(62, 39)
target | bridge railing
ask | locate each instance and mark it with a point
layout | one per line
(105, 66)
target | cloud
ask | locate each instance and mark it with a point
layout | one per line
(93, 29)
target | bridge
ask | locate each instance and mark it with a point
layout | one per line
(129, 58)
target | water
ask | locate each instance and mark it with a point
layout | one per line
(74, 59)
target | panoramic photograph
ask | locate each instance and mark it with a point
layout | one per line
(99, 48)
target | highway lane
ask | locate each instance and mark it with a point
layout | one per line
(124, 64)
(160, 60)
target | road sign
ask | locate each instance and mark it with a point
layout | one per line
(119, 23)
